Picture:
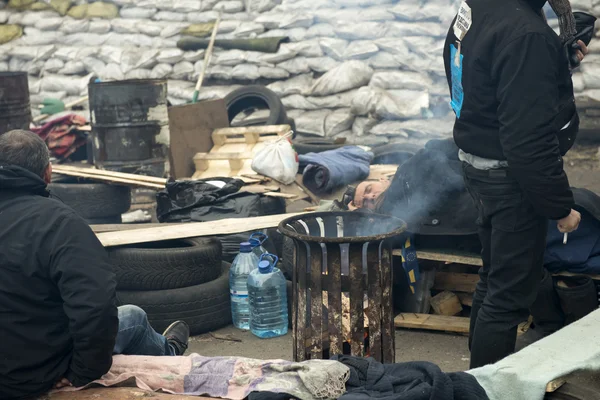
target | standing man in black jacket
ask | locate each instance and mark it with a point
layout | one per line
(59, 325)
(512, 94)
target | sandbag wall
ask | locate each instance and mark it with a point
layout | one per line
(367, 70)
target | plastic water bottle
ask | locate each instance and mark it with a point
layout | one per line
(244, 263)
(256, 240)
(268, 299)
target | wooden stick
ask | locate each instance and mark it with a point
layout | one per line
(103, 172)
(107, 179)
(192, 229)
(67, 106)
(207, 57)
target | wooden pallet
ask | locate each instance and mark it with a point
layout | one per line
(234, 149)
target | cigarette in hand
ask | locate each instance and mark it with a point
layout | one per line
(566, 237)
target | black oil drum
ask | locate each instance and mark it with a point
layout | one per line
(15, 110)
(130, 125)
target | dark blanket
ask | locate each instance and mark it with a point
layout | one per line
(370, 379)
(326, 171)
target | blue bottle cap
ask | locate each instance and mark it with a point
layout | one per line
(264, 267)
(254, 243)
(245, 247)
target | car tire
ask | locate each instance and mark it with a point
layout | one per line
(171, 264)
(204, 307)
(259, 97)
(93, 200)
(571, 391)
(306, 146)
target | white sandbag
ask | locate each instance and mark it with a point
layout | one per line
(4, 15)
(349, 75)
(365, 100)
(16, 64)
(35, 37)
(87, 39)
(320, 30)
(39, 97)
(229, 57)
(121, 25)
(273, 73)
(139, 74)
(202, 17)
(4, 66)
(277, 160)
(338, 100)
(297, 102)
(110, 54)
(591, 75)
(99, 26)
(214, 92)
(93, 65)
(401, 80)
(578, 83)
(408, 12)
(71, 25)
(130, 60)
(297, 20)
(334, 47)
(283, 54)
(147, 59)
(53, 65)
(161, 71)
(150, 28)
(216, 72)
(24, 53)
(193, 56)
(270, 20)
(49, 24)
(262, 6)
(322, 64)
(430, 128)
(389, 128)
(73, 68)
(404, 29)
(295, 66)
(30, 18)
(379, 14)
(138, 13)
(362, 125)
(172, 29)
(360, 50)
(245, 72)
(300, 84)
(308, 48)
(33, 67)
(364, 30)
(312, 122)
(367, 140)
(182, 70)
(338, 121)
(255, 57)
(185, 6)
(362, 3)
(170, 56)
(248, 29)
(393, 46)
(383, 60)
(295, 34)
(169, 16)
(112, 72)
(69, 84)
(401, 104)
(230, 6)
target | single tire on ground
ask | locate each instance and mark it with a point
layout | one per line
(571, 391)
(204, 307)
(306, 146)
(258, 97)
(171, 264)
(93, 200)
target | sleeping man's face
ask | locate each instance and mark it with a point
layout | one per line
(367, 193)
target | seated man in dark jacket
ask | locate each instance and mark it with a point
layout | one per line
(60, 325)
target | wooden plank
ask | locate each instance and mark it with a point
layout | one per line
(191, 229)
(455, 282)
(223, 156)
(281, 195)
(466, 299)
(446, 303)
(104, 172)
(432, 322)
(107, 179)
(259, 130)
(127, 227)
(447, 256)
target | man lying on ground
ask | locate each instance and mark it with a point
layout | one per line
(60, 325)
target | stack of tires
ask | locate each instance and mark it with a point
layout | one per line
(97, 203)
(174, 280)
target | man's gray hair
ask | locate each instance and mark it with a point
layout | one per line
(24, 149)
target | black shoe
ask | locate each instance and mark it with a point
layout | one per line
(178, 334)
(578, 297)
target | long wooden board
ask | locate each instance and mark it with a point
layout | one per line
(111, 177)
(455, 282)
(112, 174)
(192, 229)
(432, 322)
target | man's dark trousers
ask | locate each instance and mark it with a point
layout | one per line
(513, 237)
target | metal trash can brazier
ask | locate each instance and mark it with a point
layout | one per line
(342, 259)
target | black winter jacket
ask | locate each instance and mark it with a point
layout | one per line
(57, 292)
(518, 94)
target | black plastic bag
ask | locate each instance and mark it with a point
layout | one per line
(200, 201)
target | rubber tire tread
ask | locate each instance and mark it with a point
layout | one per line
(314, 146)
(256, 95)
(93, 200)
(571, 391)
(167, 268)
(204, 307)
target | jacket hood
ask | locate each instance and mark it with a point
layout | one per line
(13, 178)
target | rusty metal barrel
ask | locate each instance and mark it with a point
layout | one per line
(15, 109)
(342, 284)
(130, 125)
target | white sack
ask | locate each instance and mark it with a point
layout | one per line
(360, 50)
(138, 13)
(247, 72)
(71, 25)
(338, 121)
(401, 80)
(277, 160)
(300, 84)
(273, 73)
(322, 64)
(161, 71)
(349, 75)
(334, 47)
(170, 56)
(73, 68)
(295, 66)
(182, 70)
(312, 122)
